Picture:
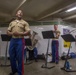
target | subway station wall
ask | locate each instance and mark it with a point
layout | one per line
(42, 43)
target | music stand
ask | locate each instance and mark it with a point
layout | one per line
(47, 35)
(5, 38)
(27, 43)
(68, 38)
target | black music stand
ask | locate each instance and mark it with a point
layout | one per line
(47, 35)
(5, 38)
(68, 38)
(27, 43)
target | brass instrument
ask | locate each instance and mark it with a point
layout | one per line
(33, 40)
(56, 34)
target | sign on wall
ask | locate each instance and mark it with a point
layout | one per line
(66, 44)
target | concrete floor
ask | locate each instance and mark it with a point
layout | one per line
(35, 68)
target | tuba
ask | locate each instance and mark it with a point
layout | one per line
(33, 41)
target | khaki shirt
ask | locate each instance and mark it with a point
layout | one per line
(56, 34)
(18, 26)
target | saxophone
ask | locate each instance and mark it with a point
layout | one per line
(33, 41)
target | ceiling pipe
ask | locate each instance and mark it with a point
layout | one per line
(70, 17)
(23, 1)
(59, 9)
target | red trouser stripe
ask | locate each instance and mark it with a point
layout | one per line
(23, 56)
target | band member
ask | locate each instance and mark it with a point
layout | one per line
(17, 29)
(32, 53)
(55, 45)
(33, 49)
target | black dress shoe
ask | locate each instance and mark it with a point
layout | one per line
(36, 60)
(52, 62)
(11, 73)
(57, 62)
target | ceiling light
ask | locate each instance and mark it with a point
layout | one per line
(40, 28)
(64, 27)
(71, 9)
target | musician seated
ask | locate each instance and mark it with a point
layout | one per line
(32, 53)
(32, 49)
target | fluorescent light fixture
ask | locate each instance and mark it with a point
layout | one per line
(64, 27)
(41, 28)
(71, 9)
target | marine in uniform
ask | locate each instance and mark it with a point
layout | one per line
(55, 45)
(33, 49)
(17, 29)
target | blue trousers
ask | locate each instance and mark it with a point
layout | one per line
(55, 53)
(35, 52)
(32, 53)
(16, 53)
